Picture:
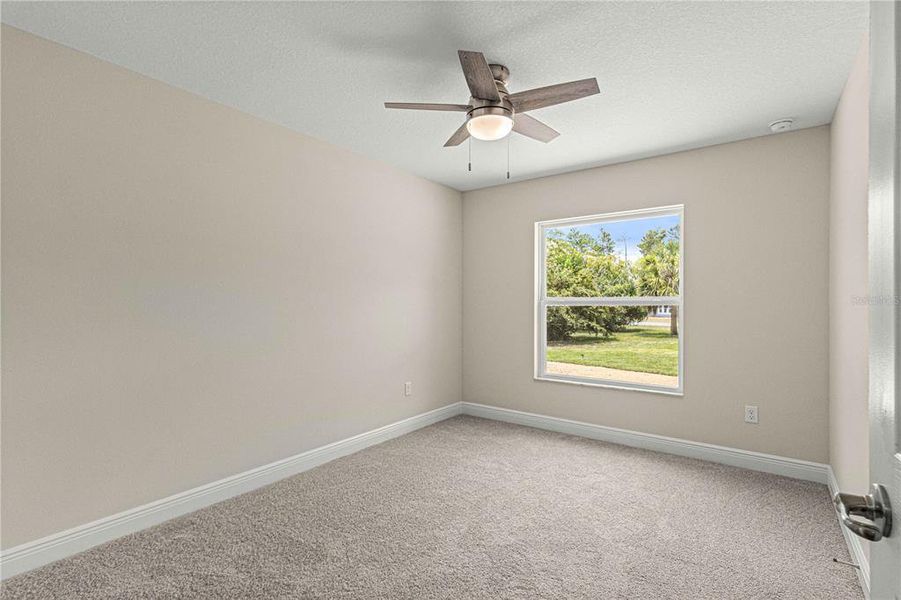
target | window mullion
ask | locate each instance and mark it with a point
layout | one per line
(614, 301)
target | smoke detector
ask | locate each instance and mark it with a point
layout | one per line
(781, 125)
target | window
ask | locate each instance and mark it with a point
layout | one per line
(609, 300)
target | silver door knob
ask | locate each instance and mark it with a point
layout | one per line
(873, 507)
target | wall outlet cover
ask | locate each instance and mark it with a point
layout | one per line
(751, 414)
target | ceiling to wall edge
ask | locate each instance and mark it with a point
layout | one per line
(514, 180)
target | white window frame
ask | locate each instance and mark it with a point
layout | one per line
(542, 301)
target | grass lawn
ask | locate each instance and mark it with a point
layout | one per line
(642, 349)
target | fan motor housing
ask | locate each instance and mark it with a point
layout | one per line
(502, 107)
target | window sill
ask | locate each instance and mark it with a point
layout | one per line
(612, 385)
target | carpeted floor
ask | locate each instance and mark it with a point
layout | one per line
(470, 508)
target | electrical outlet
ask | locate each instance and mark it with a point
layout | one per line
(408, 388)
(751, 415)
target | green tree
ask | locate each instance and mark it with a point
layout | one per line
(582, 265)
(657, 271)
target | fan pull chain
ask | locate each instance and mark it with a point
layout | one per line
(508, 156)
(470, 154)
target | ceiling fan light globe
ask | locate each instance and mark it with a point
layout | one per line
(489, 127)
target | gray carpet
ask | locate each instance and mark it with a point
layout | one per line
(470, 508)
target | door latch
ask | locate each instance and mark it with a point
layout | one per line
(874, 507)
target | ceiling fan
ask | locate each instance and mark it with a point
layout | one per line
(493, 112)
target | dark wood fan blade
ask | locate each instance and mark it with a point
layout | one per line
(478, 75)
(459, 137)
(428, 106)
(553, 94)
(533, 128)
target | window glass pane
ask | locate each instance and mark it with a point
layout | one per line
(624, 344)
(634, 257)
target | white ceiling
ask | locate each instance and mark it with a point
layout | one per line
(673, 75)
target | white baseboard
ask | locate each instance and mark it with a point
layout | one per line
(66, 543)
(756, 461)
(855, 545)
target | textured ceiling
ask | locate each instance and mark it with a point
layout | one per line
(673, 75)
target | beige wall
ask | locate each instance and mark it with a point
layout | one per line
(756, 305)
(848, 333)
(190, 292)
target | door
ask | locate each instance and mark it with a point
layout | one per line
(885, 289)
